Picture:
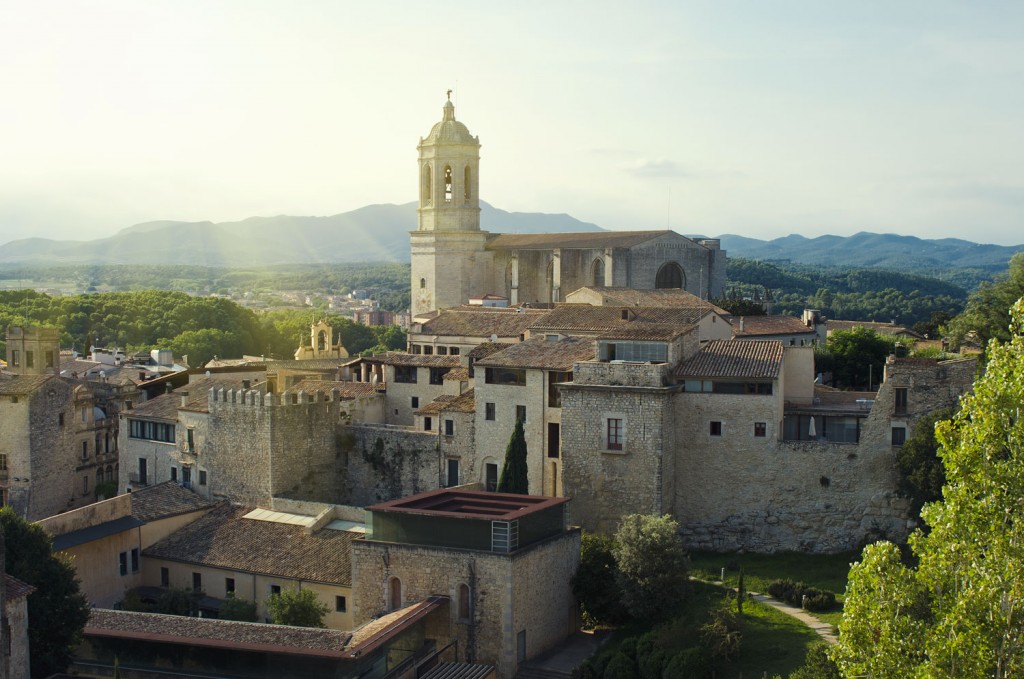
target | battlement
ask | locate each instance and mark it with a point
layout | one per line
(254, 397)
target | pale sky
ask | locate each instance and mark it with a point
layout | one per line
(760, 118)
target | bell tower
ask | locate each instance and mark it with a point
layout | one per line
(449, 261)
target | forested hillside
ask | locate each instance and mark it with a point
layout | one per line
(199, 327)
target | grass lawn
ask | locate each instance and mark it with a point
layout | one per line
(772, 642)
(824, 571)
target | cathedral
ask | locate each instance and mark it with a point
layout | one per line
(453, 259)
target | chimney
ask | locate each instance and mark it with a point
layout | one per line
(741, 324)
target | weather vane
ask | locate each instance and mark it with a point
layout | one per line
(449, 95)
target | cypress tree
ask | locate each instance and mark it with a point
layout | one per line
(513, 472)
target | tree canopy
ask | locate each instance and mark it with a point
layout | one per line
(856, 357)
(514, 477)
(960, 611)
(297, 607)
(652, 565)
(985, 313)
(57, 611)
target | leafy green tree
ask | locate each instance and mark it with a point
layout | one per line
(594, 584)
(960, 612)
(234, 608)
(176, 602)
(513, 472)
(817, 665)
(855, 356)
(652, 566)
(985, 313)
(297, 608)
(57, 610)
(738, 306)
(920, 468)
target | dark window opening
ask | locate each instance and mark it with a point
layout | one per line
(554, 393)
(449, 427)
(899, 436)
(437, 374)
(716, 428)
(901, 396)
(165, 576)
(405, 374)
(453, 473)
(670, 276)
(340, 604)
(614, 433)
(554, 439)
(760, 429)
(520, 413)
(505, 376)
(490, 411)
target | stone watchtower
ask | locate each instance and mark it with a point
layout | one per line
(449, 262)
(33, 350)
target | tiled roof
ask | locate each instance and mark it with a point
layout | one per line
(16, 385)
(163, 407)
(646, 332)
(661, 297)
(164, 500)
(549, 241)
(78, 366)
(460, 374)
(313, 364)
(450, 403)
(16, 589)
(543, 354)
(768, 325)
(420, 360)
(486, 349)
(182, 629)
(477, 321)
(346, 390)
(731, 358)
(224, 539)
(602, 320)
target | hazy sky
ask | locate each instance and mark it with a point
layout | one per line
(760, 118)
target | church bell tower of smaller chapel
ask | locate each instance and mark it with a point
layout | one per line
(449, 261)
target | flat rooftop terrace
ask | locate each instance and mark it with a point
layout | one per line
(469, 504)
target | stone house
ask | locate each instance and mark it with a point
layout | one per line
(14, 659)
(790, 330)
(461, 329)
(412, 381)
(505, 562)
(252, 554)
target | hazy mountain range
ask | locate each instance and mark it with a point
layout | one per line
(381, 233)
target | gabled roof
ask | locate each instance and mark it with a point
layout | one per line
(754, 326)
(479, 321)
(346, 390)
(164, 500)
(611, 296)
(16, 385)
(486, 349)
(418, 360)
(225, 539)
(542, 354)
(449, 403)
(15, 588)
(755, 359)
(579, 241)
(605, 320)
(96, 532)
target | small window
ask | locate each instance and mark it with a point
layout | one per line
(190, 436)
(449, 427)
(85, 450)
(123, 562)
(165, 576)
(453, 473)
(202, 477)
(340, 604)
(3, 462)
(405, 374)
(85, 484)
(491, 476)
(428, 350)
(275, 590)
(760, 429)
(394, 594)
(716, 428)
(464, 603)
(197, 582)
(49, 359)
(414, 401)
(423, 283)
(60, 419)
(229, 585)
(899, 436)
(489, 411)
(453, 351)
(29, 359)
(15, 358)
(428, 424)
(135, 560)
(900, 396)
(614, 433)
(174, 473)
(520, 413)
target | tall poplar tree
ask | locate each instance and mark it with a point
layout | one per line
(960, 612)
(514, 472)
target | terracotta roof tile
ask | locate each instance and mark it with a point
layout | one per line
(420, 360)
(346, 390)
(548, 241)
(223, 539)
(437, 405)
(460, 374)
(16, 589)
(486, 349)
(465, 403)
(733, 358)
(164, 500)
(641, 298)
(604, 320)
(180, 628)
(542, 354)
(17, 385)
(477, 321)
(768, 325)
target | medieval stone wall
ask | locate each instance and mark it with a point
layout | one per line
(387, 462)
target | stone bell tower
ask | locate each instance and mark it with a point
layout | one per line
(449, 262)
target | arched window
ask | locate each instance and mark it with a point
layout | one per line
(110, 473)
(423, 283)
(447, 183)
(394, 594)
(597, 272)
(464, 602)
(426, 189)
(670, 275)
(321, 340)
(466, 186)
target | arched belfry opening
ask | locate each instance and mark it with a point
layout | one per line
(321, 340)
(670, 276)
(425, 189)
(467, 186)
(448, 183)
(597, 272)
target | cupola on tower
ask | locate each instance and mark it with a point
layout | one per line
(449, 261)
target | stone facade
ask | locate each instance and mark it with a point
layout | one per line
(384, 462)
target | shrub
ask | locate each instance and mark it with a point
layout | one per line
(692, 663)
(817, 665)
(721, 636)
(620, 667)
(238, 609)
(793, 593)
